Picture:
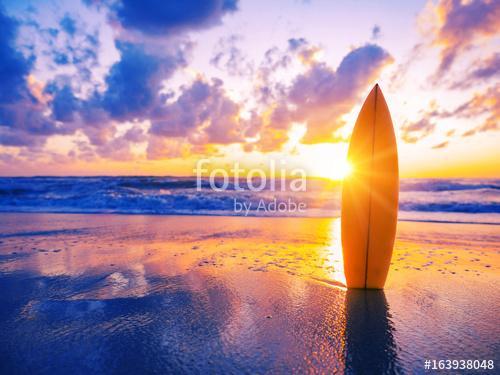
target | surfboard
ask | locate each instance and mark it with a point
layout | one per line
(370, 196)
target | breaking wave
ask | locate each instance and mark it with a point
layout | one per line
(464, 200)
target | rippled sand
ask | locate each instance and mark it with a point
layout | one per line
(131, 294)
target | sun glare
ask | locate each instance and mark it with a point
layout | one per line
(327, 161)
(337, 170)
(345, 169)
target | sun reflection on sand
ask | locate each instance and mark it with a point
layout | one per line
(314, 252)
(334, 251)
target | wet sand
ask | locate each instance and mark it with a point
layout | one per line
(156, 294)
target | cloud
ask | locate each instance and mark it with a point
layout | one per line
(68, 24)
(228, 57)
(303, 49)
(75, 52)
(64, 103)
(202, 112)
(481, 71)
(14, 67)
(195, 117)
(80, 97)
(158, 17)
(166, 148)
(131, 83)
(119, 148)
(440, 145)
(321, 95)
(461, 25)
(412, 132)
(483, 108)
(482, 104)
(133, 86)
(487, 69)
(22, 118)
(375, 32)
(458, 30)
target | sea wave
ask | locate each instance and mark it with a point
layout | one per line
(469, 200)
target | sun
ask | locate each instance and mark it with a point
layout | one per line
(336, 170)
(345, 169)
(328, 161)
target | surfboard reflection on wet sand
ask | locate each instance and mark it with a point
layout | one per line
(370, 348)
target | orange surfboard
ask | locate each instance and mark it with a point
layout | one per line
(370, 196)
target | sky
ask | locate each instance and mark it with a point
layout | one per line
(100, 87)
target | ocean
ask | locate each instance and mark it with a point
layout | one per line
(435, 200)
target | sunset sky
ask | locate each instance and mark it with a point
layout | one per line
(150, 87)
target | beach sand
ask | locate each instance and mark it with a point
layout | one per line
(132, 294)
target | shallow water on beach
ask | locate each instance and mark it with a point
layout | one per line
(133, 294)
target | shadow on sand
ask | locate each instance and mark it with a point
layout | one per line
(370, 346)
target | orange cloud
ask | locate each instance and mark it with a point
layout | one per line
(321, 95)
(481, 104)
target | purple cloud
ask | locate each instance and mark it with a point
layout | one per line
(412, 132)
(202, 112)
(463, 23)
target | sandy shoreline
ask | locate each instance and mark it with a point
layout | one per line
(179, 293)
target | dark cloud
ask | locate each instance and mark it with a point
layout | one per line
(14, 67)
(132, 92)
(131, 87)
(25, 124)
(159, 17)
(11, 137)
(60, 58)
(64, 103)
(68, 24)
(134, 82)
